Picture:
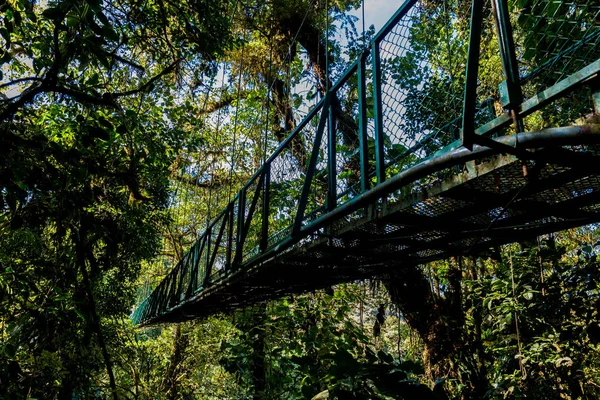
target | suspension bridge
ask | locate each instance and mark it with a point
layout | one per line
(416, 153)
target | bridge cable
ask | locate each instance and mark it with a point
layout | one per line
(285, 60)
(178, 182)
(182, 210)
(235, 123)
(162, 257)
(211, 185)
(362, 6)
(209, 207)
(269, 93)
(326, 46)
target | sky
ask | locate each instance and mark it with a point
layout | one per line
(377, 12)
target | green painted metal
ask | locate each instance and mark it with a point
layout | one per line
(264, 235)
(378, 114)
(331, 160)
(472, 74)
(507, 52)
(362, 125)
(514, 95)
(312, 165)
(395, 136)
(240, 228)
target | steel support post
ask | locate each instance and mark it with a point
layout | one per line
(378, 111)
(208, 269)
(470, 99)
(194, 269)
(514, 95)
(230, 221)
(312, 165)
(362, 126)
(331, 160)
(264, 235)
(239, 245)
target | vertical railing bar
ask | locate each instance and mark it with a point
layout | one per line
(470, 95)
(173, 286)
(378, 111)
(218, 241)
(186, 270)
(169, 289)
(264, 238)
(312, 165)
(253, 206)
(509, 60)
(164, 296)
(164, 304)
(197, 262)
(362, 126)
(159, 296)
(331, 160)
(230, 218)
(156, 299)
(197, 277)
(182, 274)
(208, 268)
(240, 227)
(204, 242)
(194, 267)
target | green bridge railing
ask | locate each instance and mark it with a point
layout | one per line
(437, 76)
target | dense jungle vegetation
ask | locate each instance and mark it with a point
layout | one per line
(126, 124)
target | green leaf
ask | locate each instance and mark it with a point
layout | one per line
(10, 350)
(93, 80)
(109, 33)
(80, 314)
(72, 20)
(102, 17)
(53, 13)
(385, 357)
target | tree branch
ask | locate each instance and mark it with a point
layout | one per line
(20, 80)
(49, 85)
(225, 100)
(146, 85)
(104, 100)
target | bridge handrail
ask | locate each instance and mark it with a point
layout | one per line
(169, 293)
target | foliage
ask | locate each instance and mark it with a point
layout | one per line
(314, 344)
(119, 142)
(88, 136)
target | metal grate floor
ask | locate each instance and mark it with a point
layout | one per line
(496, 201)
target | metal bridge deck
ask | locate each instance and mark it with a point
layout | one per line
(375, 177)
(497, 201)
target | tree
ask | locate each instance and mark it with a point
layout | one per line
(85, 175)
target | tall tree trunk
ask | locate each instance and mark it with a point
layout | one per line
(179, 340)
(94, 320)
(259, 373)
(177, 354)
(439, 322)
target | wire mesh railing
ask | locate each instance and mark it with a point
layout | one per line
(437, 74)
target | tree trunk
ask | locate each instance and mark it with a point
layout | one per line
(177, 354)
(439, 322)
(94, 320)
(259, 373)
